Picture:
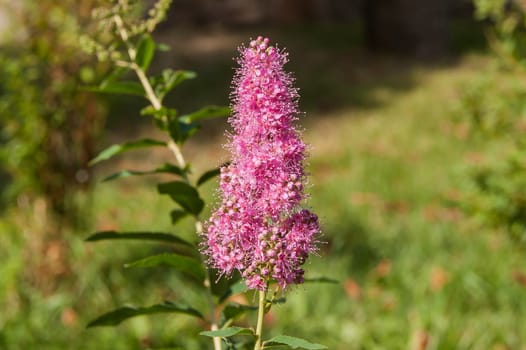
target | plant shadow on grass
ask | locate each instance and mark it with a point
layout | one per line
(350, 237)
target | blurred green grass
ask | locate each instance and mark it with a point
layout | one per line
(387, 159)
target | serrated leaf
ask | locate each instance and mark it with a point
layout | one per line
(182, 263)
(120, 87)
(119, 315)
(144, 236)
(321, 280)
(177, 215)
(145, 52)
(184, 195)
(228, 332)
(114, 150)
(165, 168)
(294, 342)
(210, 174)
(207, 112)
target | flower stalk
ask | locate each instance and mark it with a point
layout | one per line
(261, 316)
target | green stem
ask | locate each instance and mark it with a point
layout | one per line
(261, 314)
(176, 150)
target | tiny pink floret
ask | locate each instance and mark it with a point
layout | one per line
(260, 228)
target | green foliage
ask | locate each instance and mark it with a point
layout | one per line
(499, 198)
(183, 194)
(130, 47)
(228, 332)
(294, 343)
(208, 112)
(166, 168)
(507, 35)
(147, 236)
(49, 126)
(113, 150)
(184, 264)
(210, 174)
(411, 266)
(115, 317)
(494, 107)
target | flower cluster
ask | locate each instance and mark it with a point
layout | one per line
(260, 228)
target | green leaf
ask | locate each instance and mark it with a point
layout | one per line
(170, 79)
(173, 129)
(210, 174)
(120, 87)
(207, 112)
(321, 280)
(115, 74)
(182, 263)
(144, 236)
(120, 148)
(228, 332)
(158, 113)
(145, 52)
(236, 288)
(165, 168)
(222, 283)
(294, 343)
(233, 310)
(281, 300)
(186, 131)
(163, 47)
(119, 315)
(184, 195)
(177, 215)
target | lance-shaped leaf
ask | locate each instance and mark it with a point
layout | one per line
(123, 147)
(234, 310)
(165, 168)
(185, 131)
(182, 263)
(295, 343)
(177, 215)
(145, 51)
(169, 79)
(120, 87)
(228, 332)
(140, 235)
(210, 174)
(159, 113)
(207, 112)
(115, 317)
(184, 195)
(222, 283)
(321, 280)
(115, 74)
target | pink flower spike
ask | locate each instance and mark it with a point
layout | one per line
(260, 228)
